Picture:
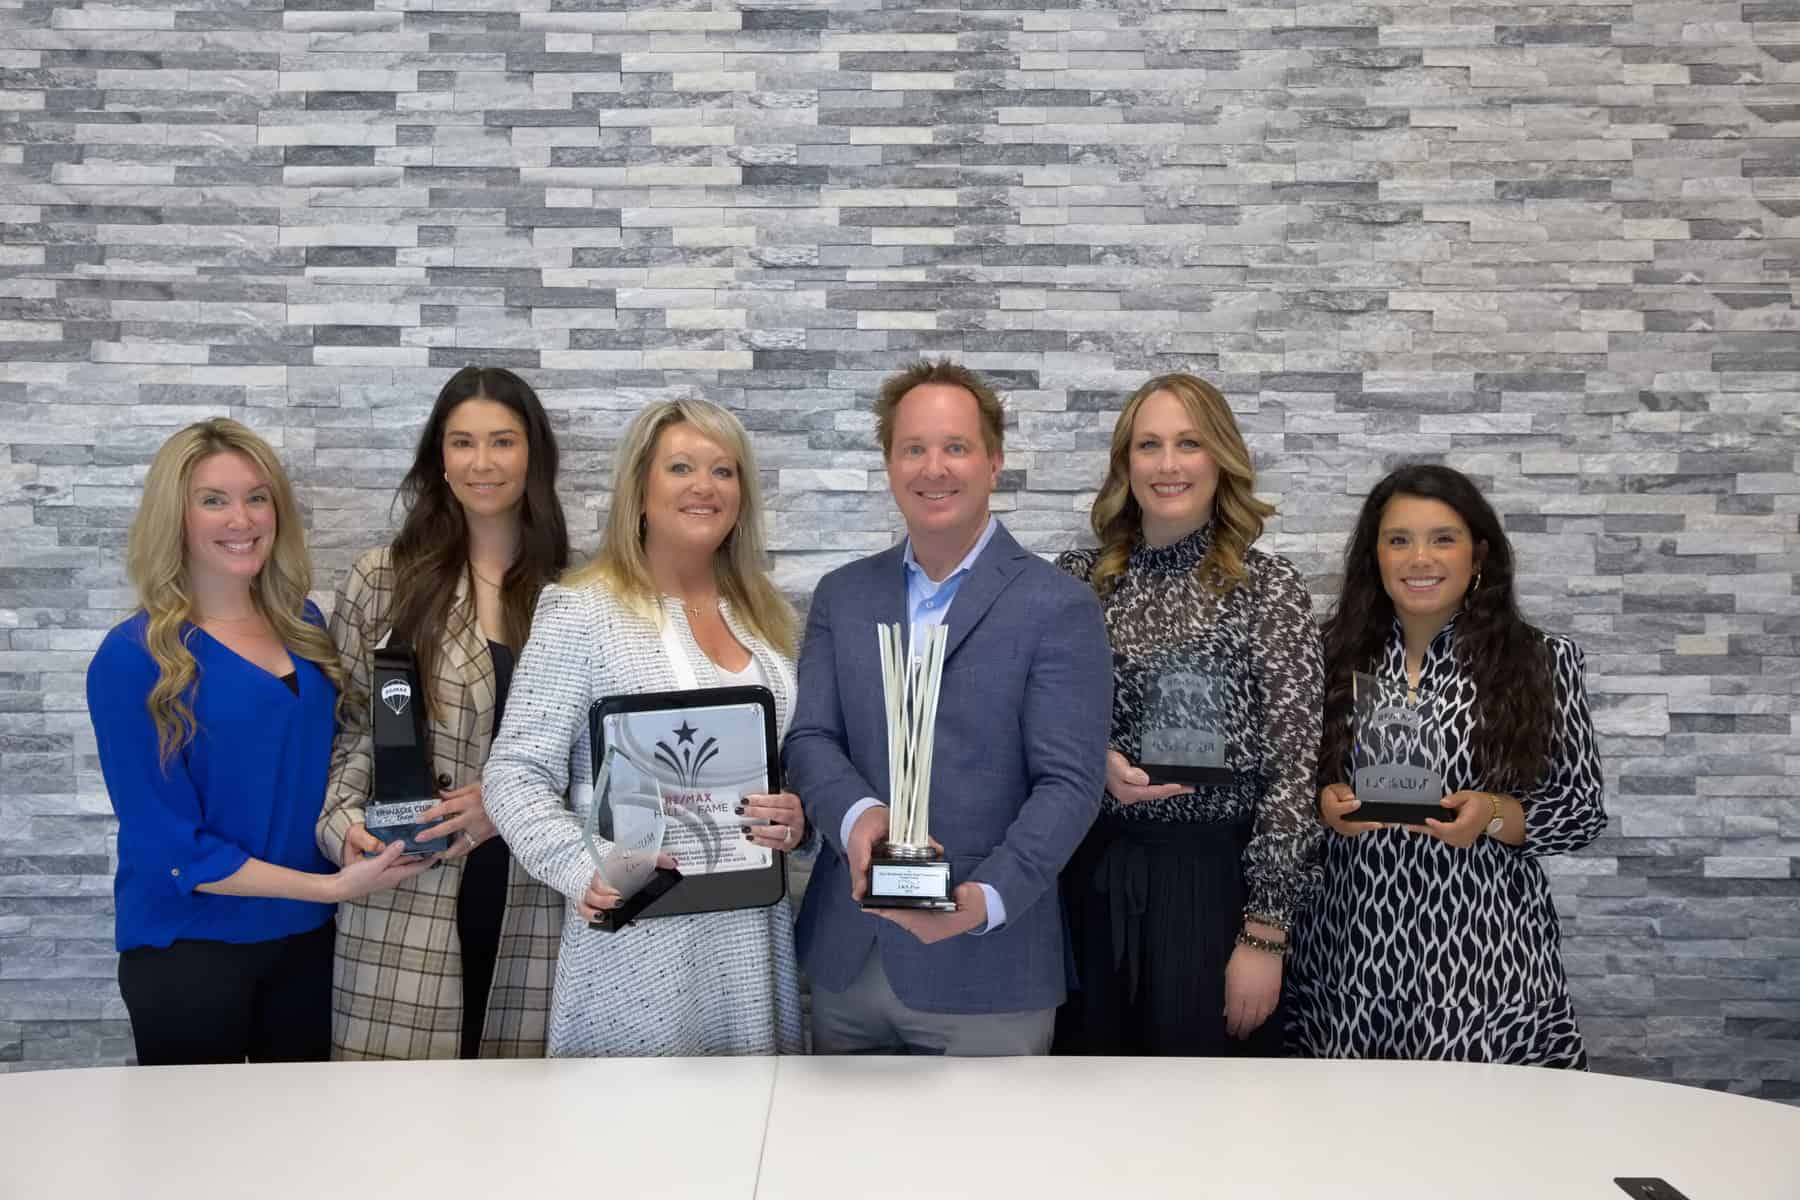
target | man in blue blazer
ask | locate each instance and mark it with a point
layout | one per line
(1019, 763)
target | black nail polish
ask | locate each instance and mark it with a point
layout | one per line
(739, 810)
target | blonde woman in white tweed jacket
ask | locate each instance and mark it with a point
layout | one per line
(683, 552)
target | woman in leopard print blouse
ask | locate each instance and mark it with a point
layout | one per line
(1440, 941)
(1180, 897)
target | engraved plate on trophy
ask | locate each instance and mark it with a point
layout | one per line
(1395, 753)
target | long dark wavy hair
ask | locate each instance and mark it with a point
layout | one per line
(431, 551)
(1508, 659)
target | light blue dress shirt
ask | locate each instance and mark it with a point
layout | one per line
(928, 603)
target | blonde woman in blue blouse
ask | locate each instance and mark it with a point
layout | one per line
(214, 707)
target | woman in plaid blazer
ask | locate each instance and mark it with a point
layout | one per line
(458, 963)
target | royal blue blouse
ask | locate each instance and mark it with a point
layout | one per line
(249, 784)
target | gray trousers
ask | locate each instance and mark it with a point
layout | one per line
(867, 1018)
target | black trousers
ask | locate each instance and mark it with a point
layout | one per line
(223, 1002)
(1153, 909)
(480, 903)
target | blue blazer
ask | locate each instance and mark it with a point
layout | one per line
(1017, 772)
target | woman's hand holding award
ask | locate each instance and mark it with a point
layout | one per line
(909, 870)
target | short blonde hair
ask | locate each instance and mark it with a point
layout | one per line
(741, 561)
(923, 371)
(1238, 515)
(156, 562)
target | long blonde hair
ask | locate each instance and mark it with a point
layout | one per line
(1238, 515)
(156, 562)
(739, 564)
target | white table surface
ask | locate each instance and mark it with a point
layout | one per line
(836, 1129)
(600, 1129)
(1031, 1129)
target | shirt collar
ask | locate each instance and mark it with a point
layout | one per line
(913, 567)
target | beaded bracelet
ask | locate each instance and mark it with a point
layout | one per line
(1246, 938)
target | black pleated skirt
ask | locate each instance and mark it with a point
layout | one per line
(1154, 908)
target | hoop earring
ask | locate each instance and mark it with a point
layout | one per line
(1474, 586)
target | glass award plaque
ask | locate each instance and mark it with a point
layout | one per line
(1182, 739)
(623, 832)
(702, 751)
(1395, 753)
(402, 788)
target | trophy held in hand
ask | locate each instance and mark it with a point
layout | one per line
(627, 811)
(1396, 753)
(402, 786)
(908, 870)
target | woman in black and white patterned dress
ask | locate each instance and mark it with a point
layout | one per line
(1180, 897)
(1440, 941)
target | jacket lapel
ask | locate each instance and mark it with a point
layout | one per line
(996, 567)
(884, 602)
(466, 661)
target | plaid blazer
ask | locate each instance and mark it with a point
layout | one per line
(397, 980)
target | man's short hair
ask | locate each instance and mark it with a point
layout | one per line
(922, 371)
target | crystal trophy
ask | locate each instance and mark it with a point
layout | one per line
(1395, 753)
(1183, 732)
(623, 832)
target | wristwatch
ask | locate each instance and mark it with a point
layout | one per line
(1497, 822)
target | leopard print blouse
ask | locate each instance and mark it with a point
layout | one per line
(1260, 645)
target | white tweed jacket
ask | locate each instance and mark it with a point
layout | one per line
(708, 983)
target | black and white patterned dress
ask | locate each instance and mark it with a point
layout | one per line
(1158, 890)
(1415, 949)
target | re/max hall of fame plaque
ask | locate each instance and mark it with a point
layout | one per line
(691, 756)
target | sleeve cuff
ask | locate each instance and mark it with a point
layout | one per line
(333, 831)
(856, 810)
(996, 910)
(221, 863)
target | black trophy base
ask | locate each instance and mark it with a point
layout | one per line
(1161, 773)
(1399, 813)
(915, 883)
(614, 919)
